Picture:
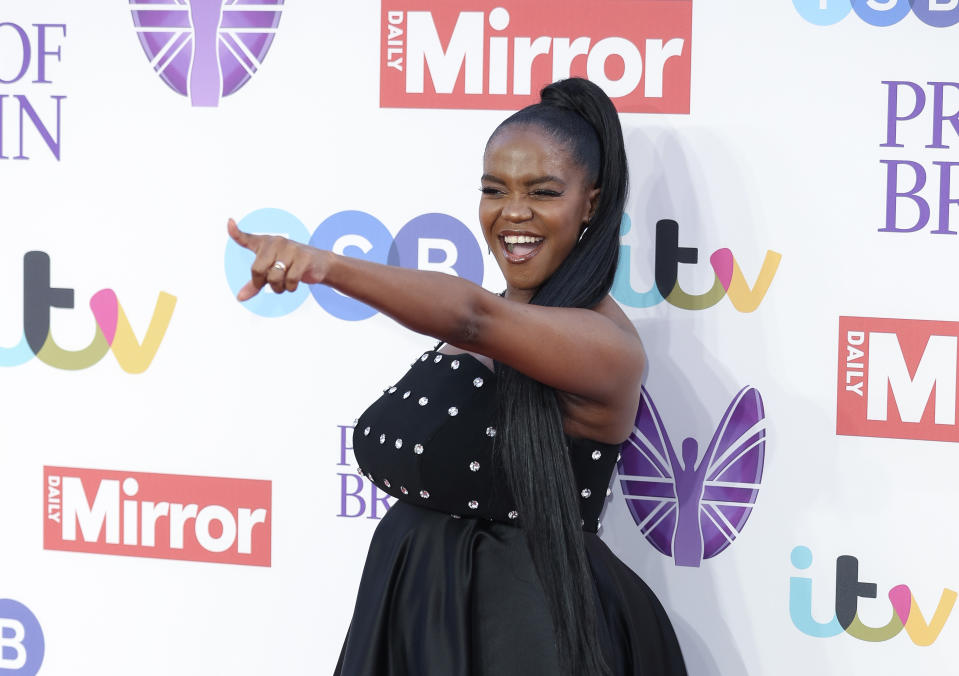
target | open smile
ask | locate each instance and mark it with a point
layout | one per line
(519, 247)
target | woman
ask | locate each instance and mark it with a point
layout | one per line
(500, 445)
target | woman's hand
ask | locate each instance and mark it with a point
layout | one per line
(280, 262)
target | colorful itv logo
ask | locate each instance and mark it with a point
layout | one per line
(897, 378)
(206, 49)
(692, 507)
(849, 589)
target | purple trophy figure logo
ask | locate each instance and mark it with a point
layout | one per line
(206, 49)
(687, 509)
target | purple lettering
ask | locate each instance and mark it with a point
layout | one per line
(945, 200)
(892, 194)
(345, 494)
(892, 109)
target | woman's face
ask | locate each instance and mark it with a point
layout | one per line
(536, 199)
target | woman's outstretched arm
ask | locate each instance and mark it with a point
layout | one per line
(578, 351)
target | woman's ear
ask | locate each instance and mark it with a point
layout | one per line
(592, 200)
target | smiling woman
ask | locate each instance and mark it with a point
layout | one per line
(500, 445)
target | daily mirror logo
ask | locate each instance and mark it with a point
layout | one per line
(206, 49)
(498, 55)
(897, 378)
(160, 516)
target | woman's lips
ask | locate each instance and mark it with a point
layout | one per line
(520, 251)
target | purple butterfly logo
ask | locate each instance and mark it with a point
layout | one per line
(206, 49)
(692, 508)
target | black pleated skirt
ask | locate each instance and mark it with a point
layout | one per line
(442, 596)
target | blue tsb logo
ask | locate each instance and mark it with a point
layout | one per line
(437, 242)
(937, 13)
(21, 640)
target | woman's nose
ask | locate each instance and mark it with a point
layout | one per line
(516, 210)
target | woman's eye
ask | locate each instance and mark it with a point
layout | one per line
(546, 193)
(489, 191)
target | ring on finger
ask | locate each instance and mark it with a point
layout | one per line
(279, 265)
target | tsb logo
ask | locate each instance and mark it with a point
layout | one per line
(937, 13)
(897, 378)
(160, 516)
(497, 55)
(435, 242)
(21, 640)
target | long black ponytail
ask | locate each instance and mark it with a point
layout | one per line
(531, 444)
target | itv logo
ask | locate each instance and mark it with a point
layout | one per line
(897, 378)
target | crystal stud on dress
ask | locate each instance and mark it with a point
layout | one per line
(597, 455)
(382, 438)
(477, 382)
(366, 432)
(455, 364)
(406, 395)
(586, 492)
(418, 449)
(386, 482)
(424, 357)
(491, 432)
(392, 389)
(423, 401)
(609, 491)
(474, 466)
(403, 490)
(398, 443)
(453, 410)
(424, 494)
(437, 359)
(513, 514)
(473, 504)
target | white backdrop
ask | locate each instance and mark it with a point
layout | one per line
(780, 152)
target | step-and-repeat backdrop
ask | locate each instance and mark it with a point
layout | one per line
(178, 492)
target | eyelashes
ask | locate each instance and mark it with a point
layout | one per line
(542, 193)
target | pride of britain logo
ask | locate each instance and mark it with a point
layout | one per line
(692, 508)
(206, 49)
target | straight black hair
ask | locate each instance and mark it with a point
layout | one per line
(531, 445)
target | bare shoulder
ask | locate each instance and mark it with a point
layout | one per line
(611, 421)
(611, 310)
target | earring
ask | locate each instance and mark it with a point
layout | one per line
(583, 233)
(489, 250)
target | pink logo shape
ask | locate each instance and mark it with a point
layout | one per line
(206, 49)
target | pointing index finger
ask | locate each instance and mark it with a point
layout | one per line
(244, 239)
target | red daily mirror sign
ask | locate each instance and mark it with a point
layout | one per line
(897, 378)
(498, 55)
(163, 516)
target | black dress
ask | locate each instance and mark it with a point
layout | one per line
(449, 587)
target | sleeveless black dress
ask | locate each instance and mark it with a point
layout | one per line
(449, 587)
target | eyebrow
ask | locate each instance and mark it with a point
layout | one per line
(548, 178)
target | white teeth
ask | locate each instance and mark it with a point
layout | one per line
(521, 239)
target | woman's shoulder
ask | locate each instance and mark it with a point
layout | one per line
(610, 309)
